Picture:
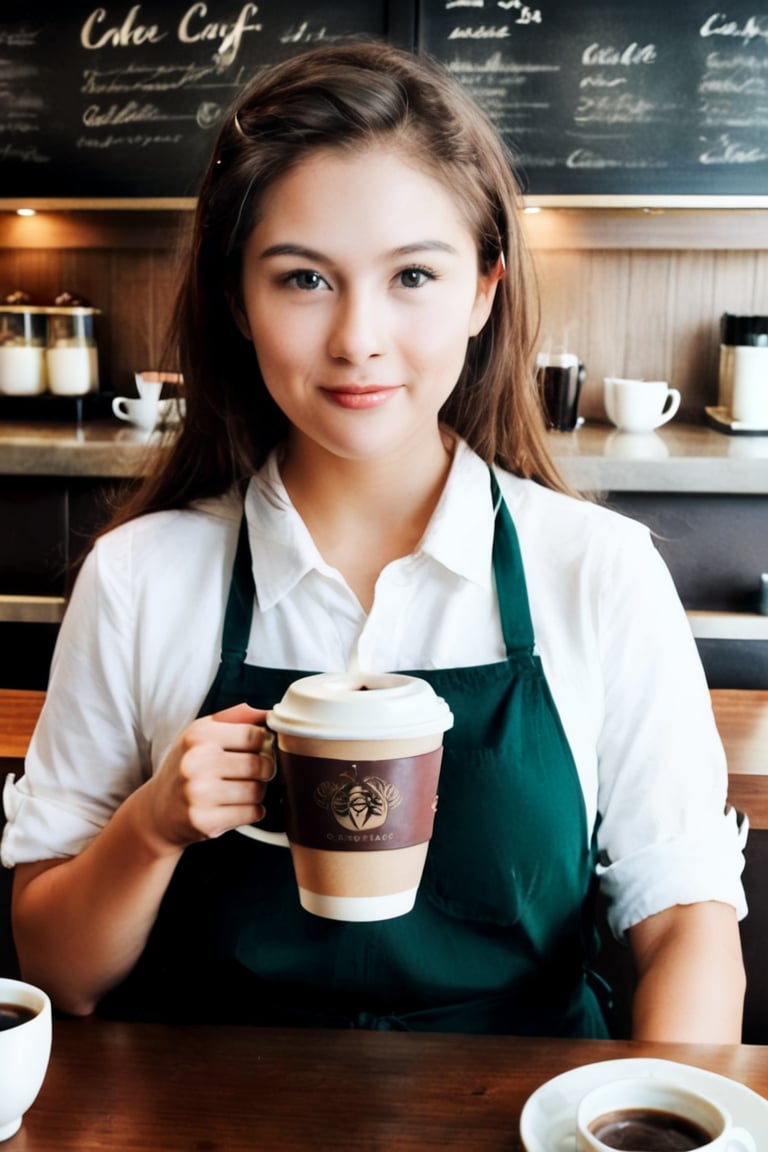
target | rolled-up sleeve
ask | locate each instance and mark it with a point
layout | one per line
(665, 836)
(68, 791)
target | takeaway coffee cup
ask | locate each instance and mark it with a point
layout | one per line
(25, 1048)
(560, 377)
(639, 405)
(653, 1115)
(358, 758)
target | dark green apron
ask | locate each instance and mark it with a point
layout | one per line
(502, 932)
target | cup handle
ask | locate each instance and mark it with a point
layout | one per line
(671, 405)
(739, 1140)
(117, 408)
(279, 839)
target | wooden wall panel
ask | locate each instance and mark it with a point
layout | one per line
(648, 313)
(648, 308)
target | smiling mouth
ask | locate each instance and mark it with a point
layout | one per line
(368, 396)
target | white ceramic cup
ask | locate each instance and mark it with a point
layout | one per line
(25, 1049)
(148, 385)
(358, 757)
(655, 1101)
(639, 405)
(143, 412)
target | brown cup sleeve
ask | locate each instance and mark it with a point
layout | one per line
(359, 805)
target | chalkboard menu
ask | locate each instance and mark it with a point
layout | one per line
(615, 98)
(663, 97)
(124, 100)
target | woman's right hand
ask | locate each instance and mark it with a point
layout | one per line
(212, 780)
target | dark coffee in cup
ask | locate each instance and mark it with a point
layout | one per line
(11, 1015)
(649, 1130)
(560, 376)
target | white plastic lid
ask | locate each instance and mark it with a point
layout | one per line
(360, 706)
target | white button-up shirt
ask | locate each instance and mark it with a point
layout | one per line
(140, 644)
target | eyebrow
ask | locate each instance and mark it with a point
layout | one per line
(312, 254)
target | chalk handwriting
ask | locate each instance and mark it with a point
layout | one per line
(728, 151)
(304, 34)
(735, 84)
(18, 37)
(24, 155)
(753, 28)
(600, 80)
(611, 109)
(139, 140)
(587, 158)
(193, 27)
(482, 32)
(96, 117)
(127, 34)
(620, 57)
(163, 78)
(527, 15)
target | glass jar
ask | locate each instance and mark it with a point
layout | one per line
(23, 338)
(71, 357)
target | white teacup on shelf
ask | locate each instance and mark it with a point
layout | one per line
(143, 412)
(639, 405)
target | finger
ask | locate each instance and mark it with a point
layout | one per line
(236, 737)
(210, 762)
(240, 714)
(237, 766)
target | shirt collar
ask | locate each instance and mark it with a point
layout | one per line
(459, 536)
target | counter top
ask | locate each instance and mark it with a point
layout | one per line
(676, 458)
(93, 448)
(594, 458)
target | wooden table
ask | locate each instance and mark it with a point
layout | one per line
(152, 1088)
(742, 719)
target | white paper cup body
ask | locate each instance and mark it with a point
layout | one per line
(350, 732)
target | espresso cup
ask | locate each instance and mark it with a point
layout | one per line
(144, 412)
(653, 1115)
(639, 405)
(25, 1048)
(358, 760)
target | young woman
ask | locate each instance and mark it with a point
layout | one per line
(362, 480)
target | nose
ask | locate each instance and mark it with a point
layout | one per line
(357, 328)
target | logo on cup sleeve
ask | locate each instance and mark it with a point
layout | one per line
(359, 805)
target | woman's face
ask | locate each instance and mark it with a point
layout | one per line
(360, 290)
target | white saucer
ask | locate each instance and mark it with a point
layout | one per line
(548, 1120)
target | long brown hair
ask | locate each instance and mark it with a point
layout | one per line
(347, 96)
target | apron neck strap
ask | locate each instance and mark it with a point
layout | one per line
(237, 620)
(508, 572)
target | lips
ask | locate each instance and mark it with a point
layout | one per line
(363, 397)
